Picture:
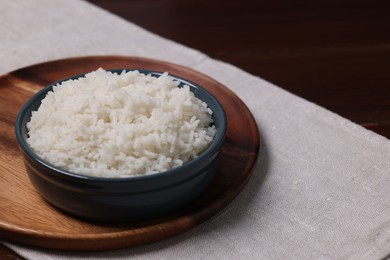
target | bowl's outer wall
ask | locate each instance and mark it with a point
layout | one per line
(96, 204)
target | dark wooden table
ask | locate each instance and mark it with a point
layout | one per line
(333, 53)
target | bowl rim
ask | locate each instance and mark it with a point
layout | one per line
(215, 145)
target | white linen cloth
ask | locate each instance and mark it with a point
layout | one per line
(321, 186)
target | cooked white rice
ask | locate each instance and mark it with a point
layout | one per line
(111, 125)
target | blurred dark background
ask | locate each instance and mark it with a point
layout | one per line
(333, 53)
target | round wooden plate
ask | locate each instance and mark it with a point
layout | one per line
(27, 218)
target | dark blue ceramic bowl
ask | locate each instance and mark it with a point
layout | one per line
(122, 199)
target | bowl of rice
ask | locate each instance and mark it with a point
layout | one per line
(121, 145)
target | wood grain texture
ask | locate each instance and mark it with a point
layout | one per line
(333, 53)
(25, 217)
